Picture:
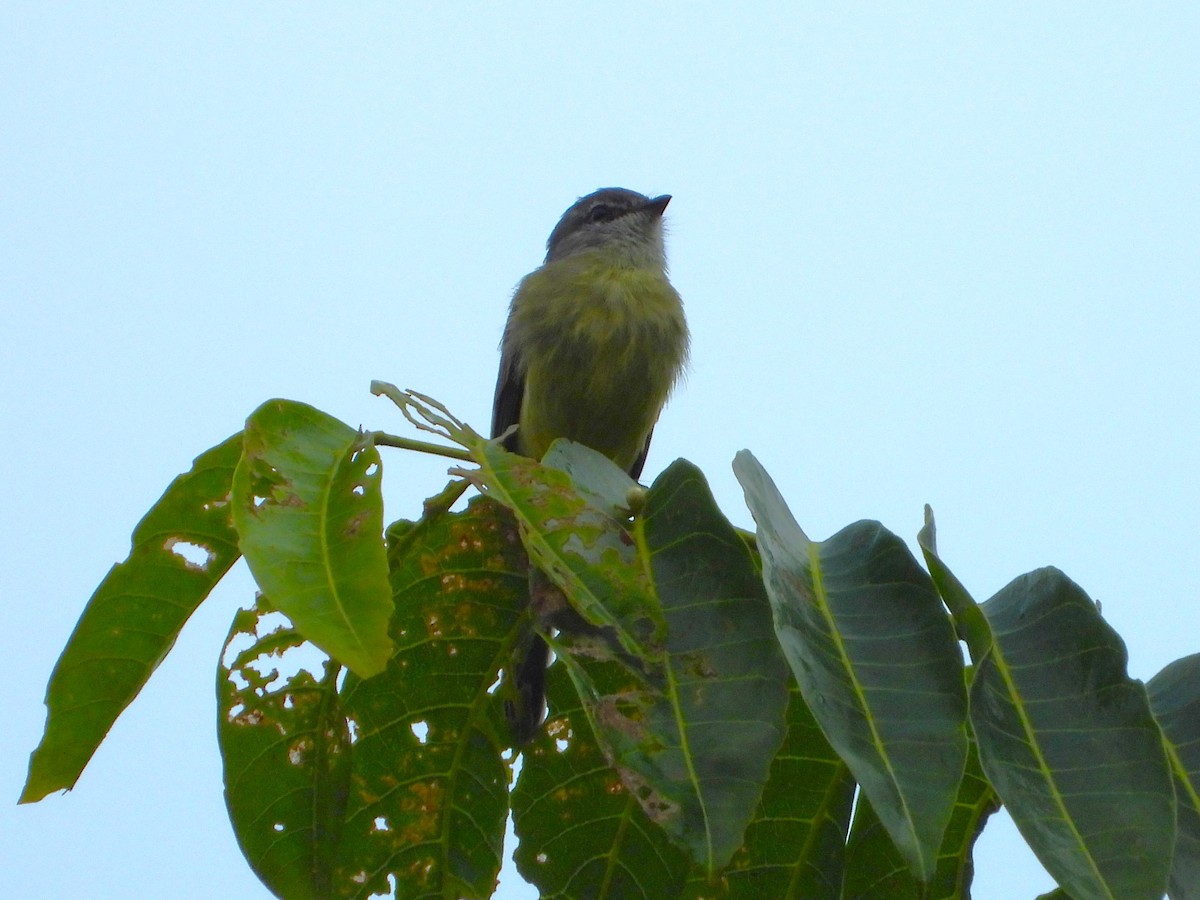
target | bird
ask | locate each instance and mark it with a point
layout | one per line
(596, 340)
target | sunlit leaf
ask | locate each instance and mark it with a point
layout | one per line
(309, 516)
(181, 549)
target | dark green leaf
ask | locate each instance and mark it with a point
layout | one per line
(1175, 701)
(286, 755)
(181, 549)
(710, 728)
(968, 618)
(876, 871)
(1068, 742)
(672, 649)
(309, 516)
(429, 793)
(582, 833)
(877, 661)
(795, 843)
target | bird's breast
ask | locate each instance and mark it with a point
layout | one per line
(601, 347)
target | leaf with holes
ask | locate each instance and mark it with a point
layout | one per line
(285, 751)
(670, 646)
(877, 661)
(429, 792)
(575, 532)
(181, 549)
(581, 832)
(309, 515)
(1175, 700)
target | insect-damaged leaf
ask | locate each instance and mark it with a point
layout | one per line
(309, 517)
(285, 750)
(672, 649)
(582, 833)
(429, 792)
(181, 549)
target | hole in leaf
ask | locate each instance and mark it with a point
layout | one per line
(542, 858)
(381, 824)
(358, 489)
(495, 685)
(372, 469)
(562, 744)
(352, 729)
(195, 556)
(420, 731)
(238, 680)
(278, 826)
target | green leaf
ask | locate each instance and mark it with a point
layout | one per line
(710, 728)
(577, 536)
(672, 648)
(876, 871)
(1175, 701)
(180, 550)
(970, 621)
(429, 793)
(285, 750)
(877, 661)
(309, 517)
(582, 833)
(795, 843)
(1068, 742)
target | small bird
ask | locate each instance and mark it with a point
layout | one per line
(595, 341)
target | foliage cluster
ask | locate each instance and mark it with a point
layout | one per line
(731, 715)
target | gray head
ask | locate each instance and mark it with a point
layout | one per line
(625, 223)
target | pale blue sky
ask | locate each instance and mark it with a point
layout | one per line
(929, 254)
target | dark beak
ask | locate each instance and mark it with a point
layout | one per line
(658, 204)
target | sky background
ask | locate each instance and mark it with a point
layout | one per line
(928, 254)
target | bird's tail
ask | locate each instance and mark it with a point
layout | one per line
(525, 707)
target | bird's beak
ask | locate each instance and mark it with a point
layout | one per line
(658, 204)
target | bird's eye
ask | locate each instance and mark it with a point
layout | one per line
(601, 212)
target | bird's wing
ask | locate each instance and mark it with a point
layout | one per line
(635, 471)
(510, 391)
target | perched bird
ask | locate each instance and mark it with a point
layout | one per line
(594, 343)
